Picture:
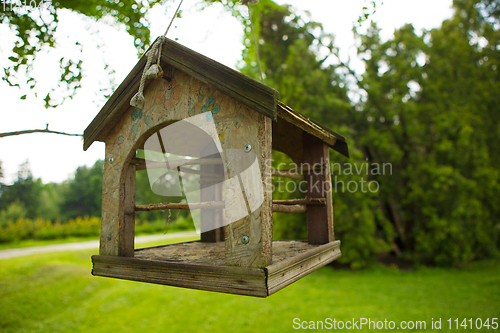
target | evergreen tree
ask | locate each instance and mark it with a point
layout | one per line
(25, 191)
(432, 112)
(82, 195)
(300, 60)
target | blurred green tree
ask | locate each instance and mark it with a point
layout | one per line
(431, 111)
(15, 210)
(25, 192)
(50, 200)
(1, 178)
(82, 195)
(301, 61)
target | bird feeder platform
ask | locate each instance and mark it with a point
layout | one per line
(222, 127)
(201, 265)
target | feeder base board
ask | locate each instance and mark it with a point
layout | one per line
(198, 265)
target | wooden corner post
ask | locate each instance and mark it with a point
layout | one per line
(211, 190)
(318, 185)
(127, 221)
(249, 240)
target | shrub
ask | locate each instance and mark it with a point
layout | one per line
(86, 226)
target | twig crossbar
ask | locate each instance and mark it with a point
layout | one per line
(279, 206)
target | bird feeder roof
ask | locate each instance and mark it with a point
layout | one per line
(234, 84)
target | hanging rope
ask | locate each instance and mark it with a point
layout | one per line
(172, 20)
(152, 71)
(248, 3)
(148, 73)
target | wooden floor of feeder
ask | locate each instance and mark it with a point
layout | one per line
(198, 265)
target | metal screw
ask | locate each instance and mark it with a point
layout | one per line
(244, 240)
(111, 160)
(248, 147)
(108, 237)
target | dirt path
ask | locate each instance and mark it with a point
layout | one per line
(26, 251)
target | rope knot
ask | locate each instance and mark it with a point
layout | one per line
(138, 100)
(154, 72)
(151, 71)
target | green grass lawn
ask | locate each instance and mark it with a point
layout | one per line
(56, 293)
(36, 242)
(41, 242)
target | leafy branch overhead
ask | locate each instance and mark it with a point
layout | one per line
(35, 29)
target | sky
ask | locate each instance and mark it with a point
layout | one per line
(212, 32)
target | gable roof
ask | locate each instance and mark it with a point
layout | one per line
(242, 88)
(336, 141)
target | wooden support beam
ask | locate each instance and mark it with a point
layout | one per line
(183, 206)
(211, 188)
(279, 206)
(172, 165)
(318, 185)
(305, 201)
(249, 239)
(289, 209)
(127, 223)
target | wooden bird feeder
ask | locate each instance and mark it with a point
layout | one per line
(238, 257)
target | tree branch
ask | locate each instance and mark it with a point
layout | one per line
(36, 131)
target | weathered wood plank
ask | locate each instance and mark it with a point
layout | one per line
(336, 141)
(215, 205)
(211, 177)
(242, 88)
(289, 209)
(318, 185)
(233, 280)
(304, 201)
(183, 206)
(287, 138)
(127, 224)
(257, 225)
(212, 254)
(285, 272)
(118, 103)
(234, 125)
(200, 265)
